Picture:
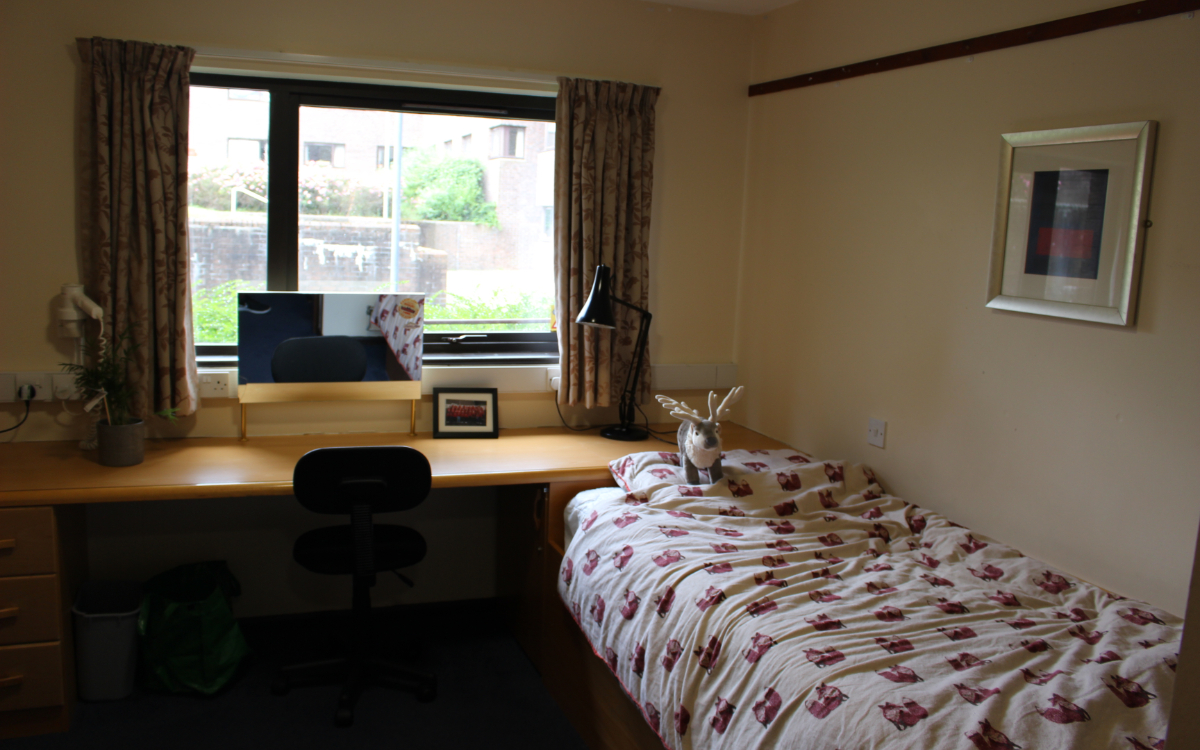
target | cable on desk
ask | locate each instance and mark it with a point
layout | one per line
(564, 420)
(18, 424)
(655, 433)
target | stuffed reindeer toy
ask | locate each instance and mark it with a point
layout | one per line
(700, 438)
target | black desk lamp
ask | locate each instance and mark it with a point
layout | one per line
(598, 312)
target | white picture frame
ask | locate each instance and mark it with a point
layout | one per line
(1071, 215)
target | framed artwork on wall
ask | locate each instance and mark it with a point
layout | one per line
(1070, 221)
(465, 413)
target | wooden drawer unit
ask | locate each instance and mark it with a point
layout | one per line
(29, 610)
(31, 676)
(28, 543)
(37, 582)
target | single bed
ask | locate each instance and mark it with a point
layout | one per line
(796, 604)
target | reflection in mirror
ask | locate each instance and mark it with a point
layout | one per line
(298, 337)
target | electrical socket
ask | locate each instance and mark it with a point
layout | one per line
(876, 430)
(553, 378)
(40, 383)
(214, 385)
(8, 386)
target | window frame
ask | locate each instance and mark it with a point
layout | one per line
(510, 135)
(286, 97)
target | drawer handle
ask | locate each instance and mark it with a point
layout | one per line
(11, 680)
(7, 613)
(8, 543)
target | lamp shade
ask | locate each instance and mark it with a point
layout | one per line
(598, 311)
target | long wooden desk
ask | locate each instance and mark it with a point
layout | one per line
(44, 487)
(58, 473)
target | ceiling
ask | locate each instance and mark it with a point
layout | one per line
(743, 7)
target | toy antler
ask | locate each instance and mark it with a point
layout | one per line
(723, 410)
(680, 410)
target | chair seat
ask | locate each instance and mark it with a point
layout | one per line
(330, 550)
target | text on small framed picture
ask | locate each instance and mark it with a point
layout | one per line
(465, 413)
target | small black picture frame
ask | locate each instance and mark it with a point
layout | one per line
(465, 413)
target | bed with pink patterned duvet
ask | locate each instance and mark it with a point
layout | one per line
(795, 604)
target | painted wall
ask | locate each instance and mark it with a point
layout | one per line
(699, 58)
(867, 244)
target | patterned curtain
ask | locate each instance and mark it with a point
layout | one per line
(136, 246)
(604, 172)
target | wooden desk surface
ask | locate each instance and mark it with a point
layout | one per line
(58, 473)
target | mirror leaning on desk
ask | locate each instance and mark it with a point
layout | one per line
(299, 346)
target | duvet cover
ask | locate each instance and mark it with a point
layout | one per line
(795, 604)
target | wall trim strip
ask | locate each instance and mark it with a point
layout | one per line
(1063, 27)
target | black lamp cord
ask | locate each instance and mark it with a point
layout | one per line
(18, 424)
(655, 433)
(646, 420)
(564, 419)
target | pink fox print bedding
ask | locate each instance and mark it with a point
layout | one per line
(796, 604)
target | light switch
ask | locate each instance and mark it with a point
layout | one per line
(876, 429)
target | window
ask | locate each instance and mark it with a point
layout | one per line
(246, 150)
(365, 191)
(329, 154)
(508, 141)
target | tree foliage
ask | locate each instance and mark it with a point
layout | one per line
(445, 189)
(484, 305)
(214, 311)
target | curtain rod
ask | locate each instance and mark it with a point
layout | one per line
(1100, 19)
(549, 83)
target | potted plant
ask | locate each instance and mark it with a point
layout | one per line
(120, 434)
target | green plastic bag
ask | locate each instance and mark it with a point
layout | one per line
(190, 642)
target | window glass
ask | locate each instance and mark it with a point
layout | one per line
(374, 199)
(227, 204)
(470, 234)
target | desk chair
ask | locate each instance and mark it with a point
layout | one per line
(319, 359)
(359, 481)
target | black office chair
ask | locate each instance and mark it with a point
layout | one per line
(319, 359)
(359, 482)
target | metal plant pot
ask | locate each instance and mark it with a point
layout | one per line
(121, 445)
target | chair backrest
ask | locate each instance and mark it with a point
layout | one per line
(389, 477)
(319, 359)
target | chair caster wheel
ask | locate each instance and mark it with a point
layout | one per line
(280, 686)
(343, 718)
(427, 693)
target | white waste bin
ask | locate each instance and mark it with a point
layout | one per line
(106, 619)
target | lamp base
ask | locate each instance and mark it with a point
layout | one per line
(624, 432)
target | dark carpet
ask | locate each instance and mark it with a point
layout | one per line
(489, 694)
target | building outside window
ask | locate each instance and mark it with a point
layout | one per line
(508, 142)
(246, 150)
(247, 95)
(331, 154)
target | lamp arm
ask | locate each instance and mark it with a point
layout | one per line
(620, 301)
(629, 394)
